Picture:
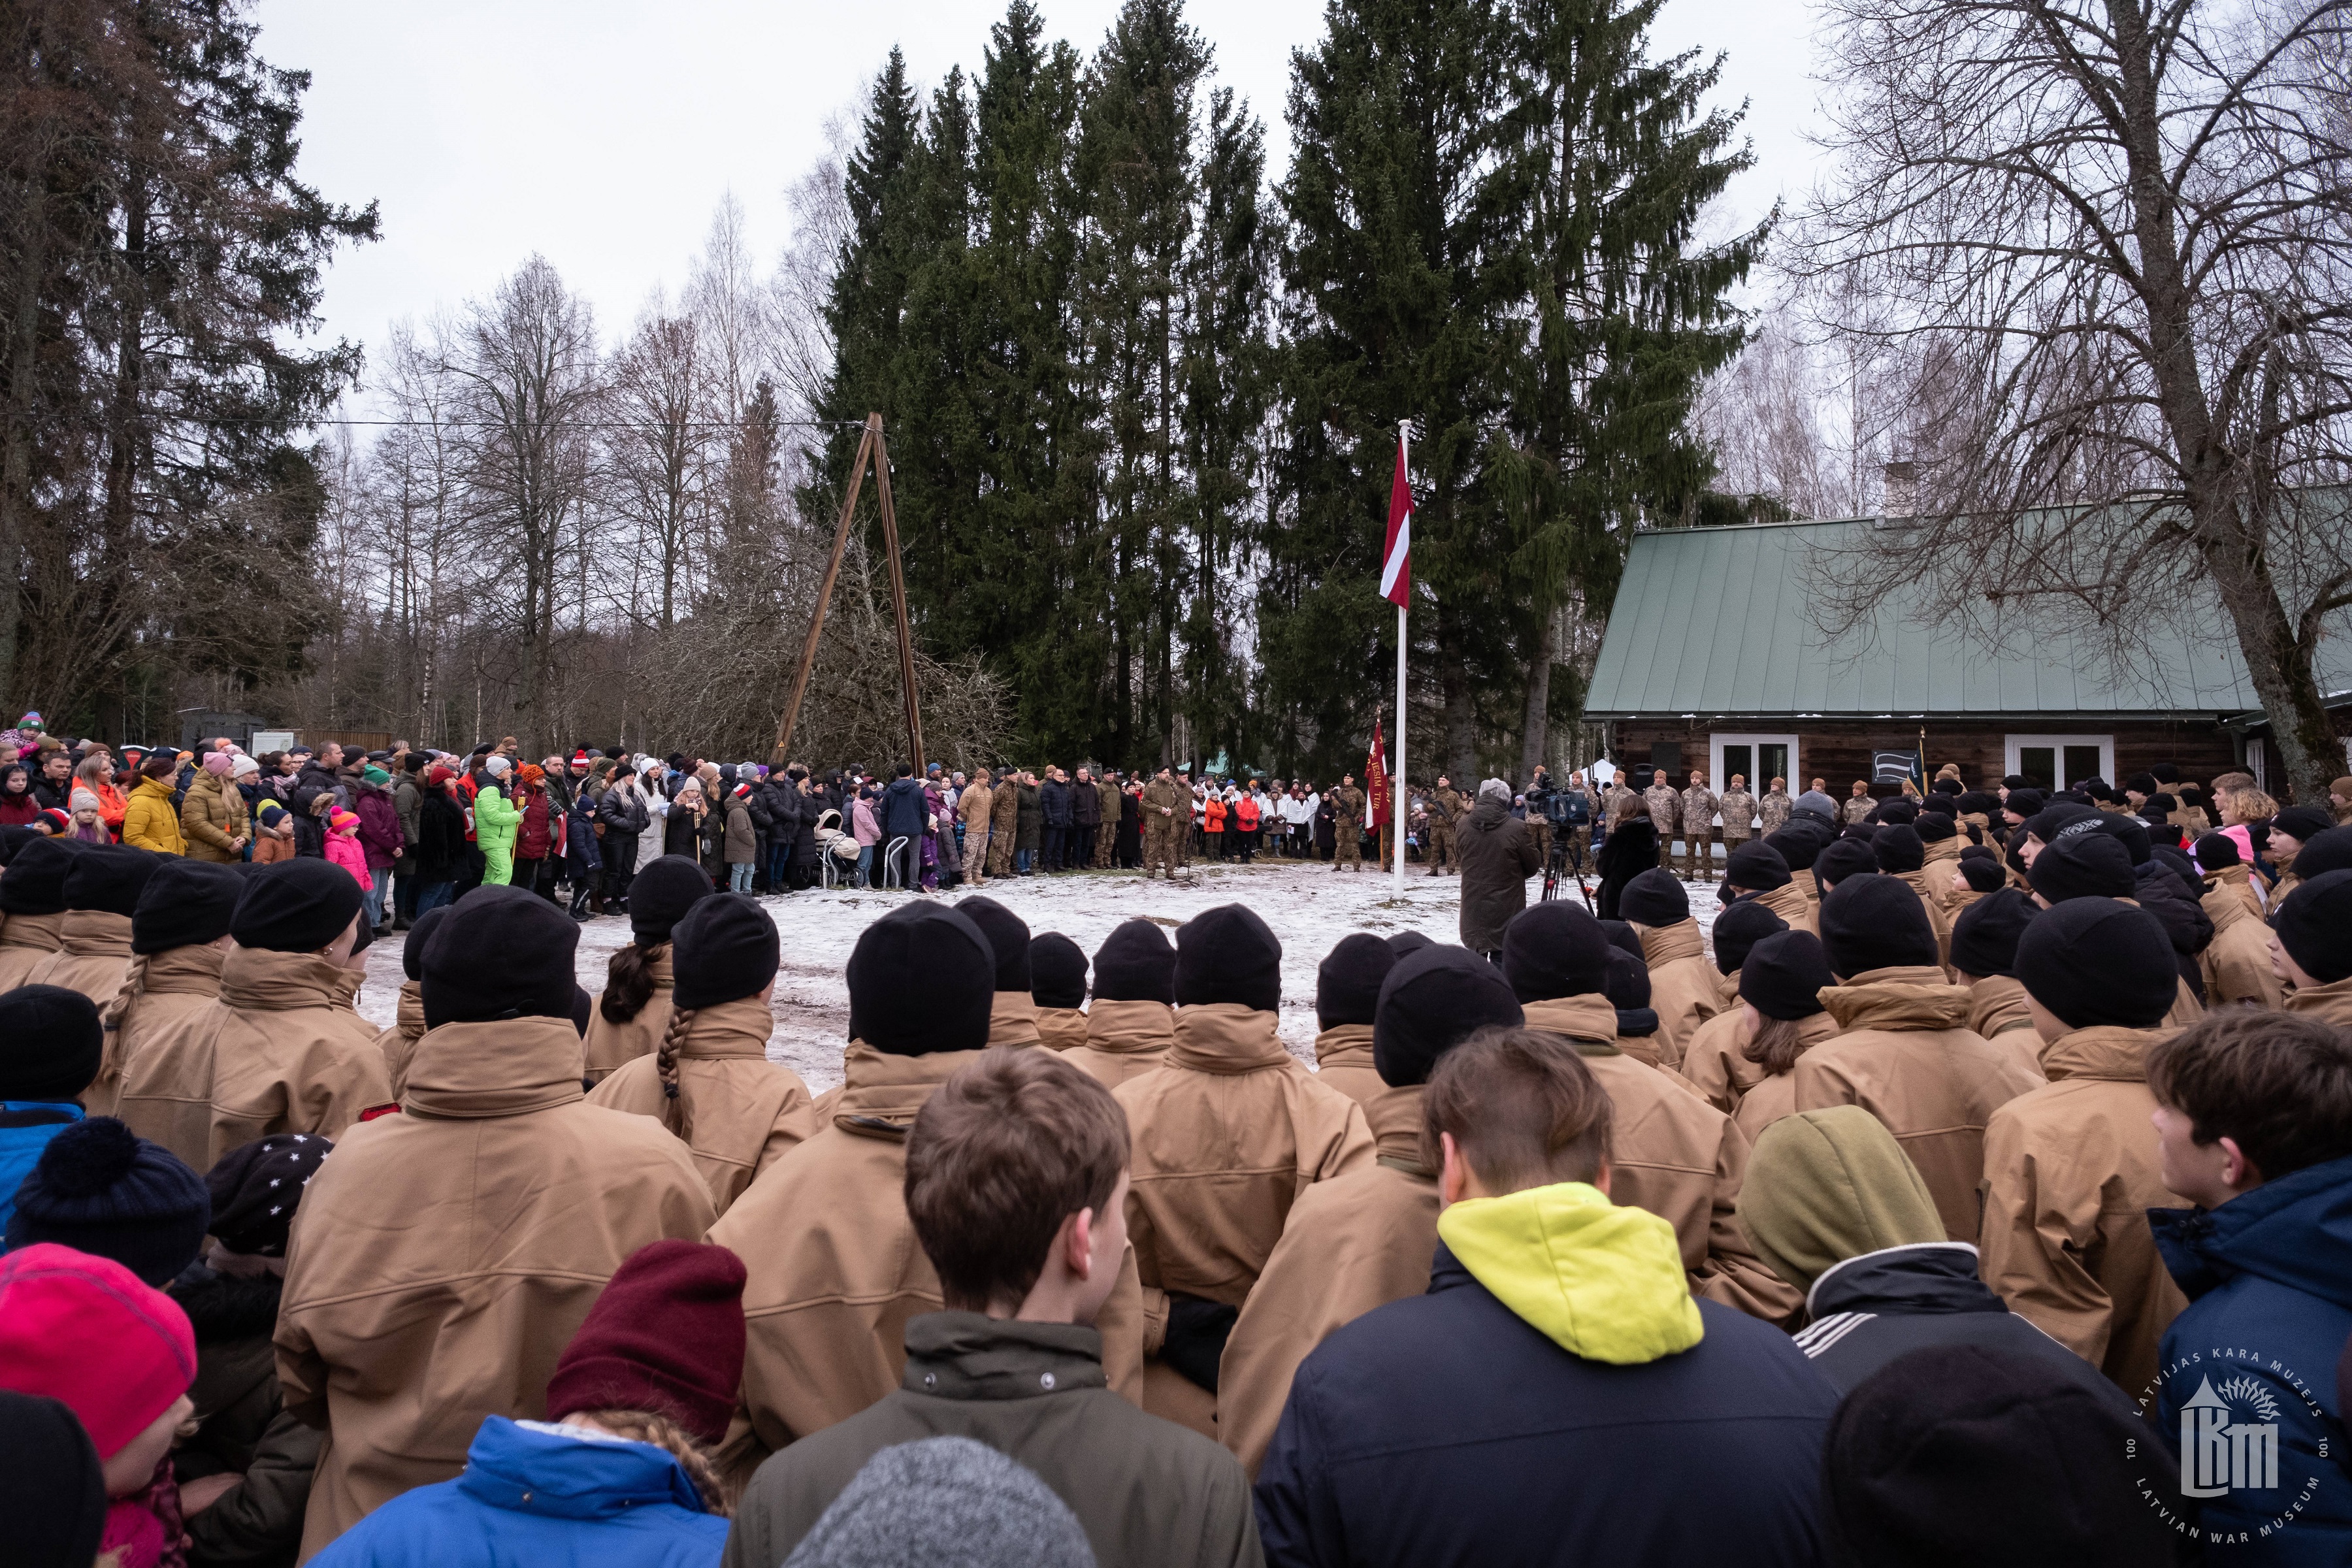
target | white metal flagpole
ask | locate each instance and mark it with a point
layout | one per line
(1404, 448)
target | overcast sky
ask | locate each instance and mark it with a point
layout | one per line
(603, 133)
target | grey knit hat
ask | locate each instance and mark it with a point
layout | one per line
(947, 1502)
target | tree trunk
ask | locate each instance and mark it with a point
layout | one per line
(1534, 727)
(1461, 711)
(16, 464)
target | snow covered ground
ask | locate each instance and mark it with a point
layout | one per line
(1309, 906)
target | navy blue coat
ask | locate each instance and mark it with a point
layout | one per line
(901, 811)
(2269, 1280)
(1054, 796)
(1445, 1429)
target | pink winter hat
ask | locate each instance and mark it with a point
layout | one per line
(86, 1331)
(343, 821)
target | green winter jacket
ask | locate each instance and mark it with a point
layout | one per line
(495, 822)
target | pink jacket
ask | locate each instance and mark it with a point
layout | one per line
(862, 822)
(344, 851)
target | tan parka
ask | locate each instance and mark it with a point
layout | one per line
(610, 1046)
(1124, 1040)
(2238, 960)
(26, 942)
(1931, 903)
(279, 1050)
(1675, 1155)
(1683, 989)
(1343, 1058)
(443, 1256)
(1905, 1055)
(1353, 1242)
(1790, 902)
(1771, 1098)
(835, 1271)
(2235, 882)
(1996, 1007)
(1061, 1028)
(399, 1042)
(164, 988)
(93, 953)
(1013, 1020)
(2331, 1003)
(738, 1112)
(2071, 1171)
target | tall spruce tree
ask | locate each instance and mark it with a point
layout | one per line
(869, 278)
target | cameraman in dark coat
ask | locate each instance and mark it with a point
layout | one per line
(1497, 855)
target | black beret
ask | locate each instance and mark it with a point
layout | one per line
(1431, 1002)
(1136, 964)
(1655, 898)
(50, 1043)
(502, 954)
(185, 903)
(1739, 928)
(921, 979)
(1348, 980)
(1984, 938)
(660, 896)
(1058, 971)
(109, 879)
(1008, 938)
(1555, 950)
(723, 950)
(298, 905)
(1228, 954)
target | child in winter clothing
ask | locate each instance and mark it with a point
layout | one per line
(50, 1050)
(274, 837)
(619, 1466)
(85, 1332)
(87, 823)
(343, 848)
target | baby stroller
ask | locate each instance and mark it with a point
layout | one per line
(836, 852)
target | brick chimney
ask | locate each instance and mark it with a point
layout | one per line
(1902, 487)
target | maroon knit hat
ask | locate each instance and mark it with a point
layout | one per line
(666, 1336)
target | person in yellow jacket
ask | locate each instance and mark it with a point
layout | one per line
(496, 819)
(150, 821)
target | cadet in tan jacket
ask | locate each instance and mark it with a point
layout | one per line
(179, 938)
(1012, 1012)
(2311, 948)
(1227, 1135)
(1133, 1021)
(1905, 1054)
(399, 1042)
(1683, 989)
(1759, 870)
(836, 1270)
(632, 1014)
(443, 1257)
(1780, 988)
(1364, 1239)
(2070, 1170)
(1713, 1062)
(1347, 1000)
(1673, 1152)
(2237, 962)
(94, 944)
(1057, 985)
(1984, 952)
(974, 806)
(279, 1050)
(1903, 855)
(710, 1081)
(33, 898)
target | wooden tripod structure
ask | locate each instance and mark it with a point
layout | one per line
(870, 447)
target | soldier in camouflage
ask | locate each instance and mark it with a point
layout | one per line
(1698, 830)
(1739, 809)
(1107, 835)
(1665, 807)
(1445, 807)
(1167, 817)
(1003, 823)
(1346, 825)
(1772, 811)
(1859, 805)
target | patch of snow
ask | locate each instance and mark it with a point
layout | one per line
(1308, 905)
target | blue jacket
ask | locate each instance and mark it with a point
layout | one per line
(2269, 1280)
(1444, 1428)
(900, 810)
(26, 1128)
(1054, 797)
(534, 1496)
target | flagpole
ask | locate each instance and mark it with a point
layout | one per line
(1404, 448)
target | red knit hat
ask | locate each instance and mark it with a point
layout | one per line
(666, 1336)
(87, 1332)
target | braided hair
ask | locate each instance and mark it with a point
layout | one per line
(673, 1112)
(651, 1426)
(134, 986)
(629, 983)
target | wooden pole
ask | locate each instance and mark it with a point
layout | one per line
(897, 593)
(784, 726)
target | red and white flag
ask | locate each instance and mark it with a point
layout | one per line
(1396, 561)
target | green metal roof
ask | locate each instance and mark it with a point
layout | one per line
(1713, 621)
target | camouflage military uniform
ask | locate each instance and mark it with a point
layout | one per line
(1107, 835)
(1167, 806)
(1444, 806)
(1581, 834)
(1857, 807)
(1664, 805)
(1347, 827)
(1003, 821)
(1774, 809)
(1698, 832)
(1739, 808)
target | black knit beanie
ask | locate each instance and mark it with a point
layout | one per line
(1785, 975)
(50, 1043)
(2082, 866)
(1008, 938)
(1555, 950)
(921, 979)
(2128, 831)
(1984, 938)
(185, 904)
(2025, 803)
(1655, 898)
(1408, 942)
(36, 882)
(2314, 926)
(1136, 964)
(13, 837)
(1738, 929)
(1935, 828)
(1899, 849)
(1757, 866)
(412, 951)
(1430, 1003)
(1623, 937)
(1984, 874)
(1875, 922)
(1228, 954)
(1980, 802)
(1955, 1454)
(2214, 852)
(502, 954)
(2095, 960)
(2302, 822)
(1348, 980)
(1844, 861)
(2047, 823)
(2323, 853)
(298, 906)
(99, 1188)
(1797, 847)
(109, 879)
(2179, 864)
(257, 1186)
(725, 949)
(660, 896)
(1058, 971)
(1628, 990)
(51, 1485)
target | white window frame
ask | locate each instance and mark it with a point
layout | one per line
(2011, 744)
(1715, 744)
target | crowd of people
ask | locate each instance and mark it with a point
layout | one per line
(1976, 1187)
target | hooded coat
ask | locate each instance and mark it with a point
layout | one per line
(1061, 1029)
(1675, 1155)
(442, 1258)
(399, 1042)
(1343, 1058)
(1684, 986)
(1905, 1056)
(1557, 1338)
(2331, 1003)
(213, 816)
(738, 1112)
(2071, 1171)
(170, 986)
(609, 1046)
(279, 1050)
(1125, 1039)
(2238, 960)
(93, 954)
(26, 942)
(151, 820)
(1497, 855)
